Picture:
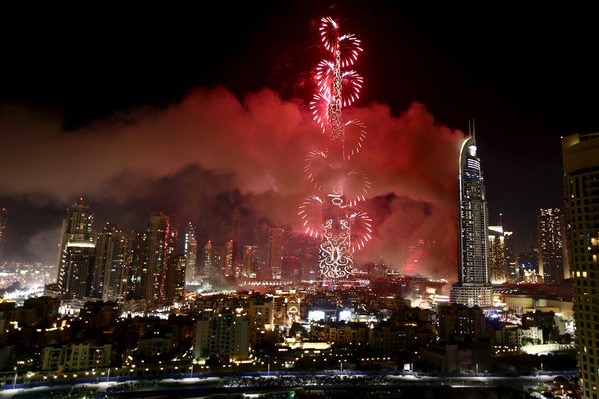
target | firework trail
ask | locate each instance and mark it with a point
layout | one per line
(332, 211)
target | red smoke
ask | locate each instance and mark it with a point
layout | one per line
(260, 143)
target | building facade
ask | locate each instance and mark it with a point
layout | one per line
(497, 254)
(76, 251)
(222, 334)
(549, 238)
(191, 252)
(580, 156)
(161, 242)
(474, 286)
(112, 264)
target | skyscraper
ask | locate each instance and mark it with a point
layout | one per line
(191, 250)
(235, 238)
(229, 269)
(275, 251)
(511, 263)
(3, 217)
(549, 239)
(580, 155)
(138, 275)
(175, 282)
(250, 260)
(497, 261)
(207, 260)
(160, 242)
(473, 286)
(76, 251)
(112, 264)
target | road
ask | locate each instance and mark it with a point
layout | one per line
(205, 384)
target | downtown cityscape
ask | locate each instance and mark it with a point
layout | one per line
(302, 238)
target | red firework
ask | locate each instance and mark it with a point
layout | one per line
(337, 88)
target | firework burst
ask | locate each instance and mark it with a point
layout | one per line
(332, 213)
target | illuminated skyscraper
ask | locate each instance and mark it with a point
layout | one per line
(497, 261)
(229, 255)
(161, 241)
(76, 251)
(112, 264)
(474, 285)
(207, 269)
(217, 261)
(511, 262)
(250, 260)
(138, 275)
(549, 239)
(275, 251)
(580, 155)
(191, 250)
(235, 239)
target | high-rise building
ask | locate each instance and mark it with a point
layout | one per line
(218, 261)
(549, 240)
(250, 261)
(191, 250)
(161, 241)
(580, 155)
(76, 251)
(112, 264)
(511, 263)
(3, 217)
(138, 274)
(77, 268)
(497, 252)
(229, 268)
(474, 285)
(207, 260)
(276, 244)
(175, 282)
(235, 238)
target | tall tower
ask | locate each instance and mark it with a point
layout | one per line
(161, 241)
(228, 269)
(138, 275)
(191, 251)
(235, 239)
(276, 244)
(332, 211)
(580, 156)
(497, 254)
(207, 268)
(250, 260)
(76, 251)
(3, 217)
(474, 285)
(175, 281)
(112, 264)
(549, 238)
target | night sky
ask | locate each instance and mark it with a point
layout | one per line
(527, 75)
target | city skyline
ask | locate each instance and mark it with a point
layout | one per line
(256, 218)
(33, 220)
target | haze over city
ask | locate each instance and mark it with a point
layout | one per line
(382, 197)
